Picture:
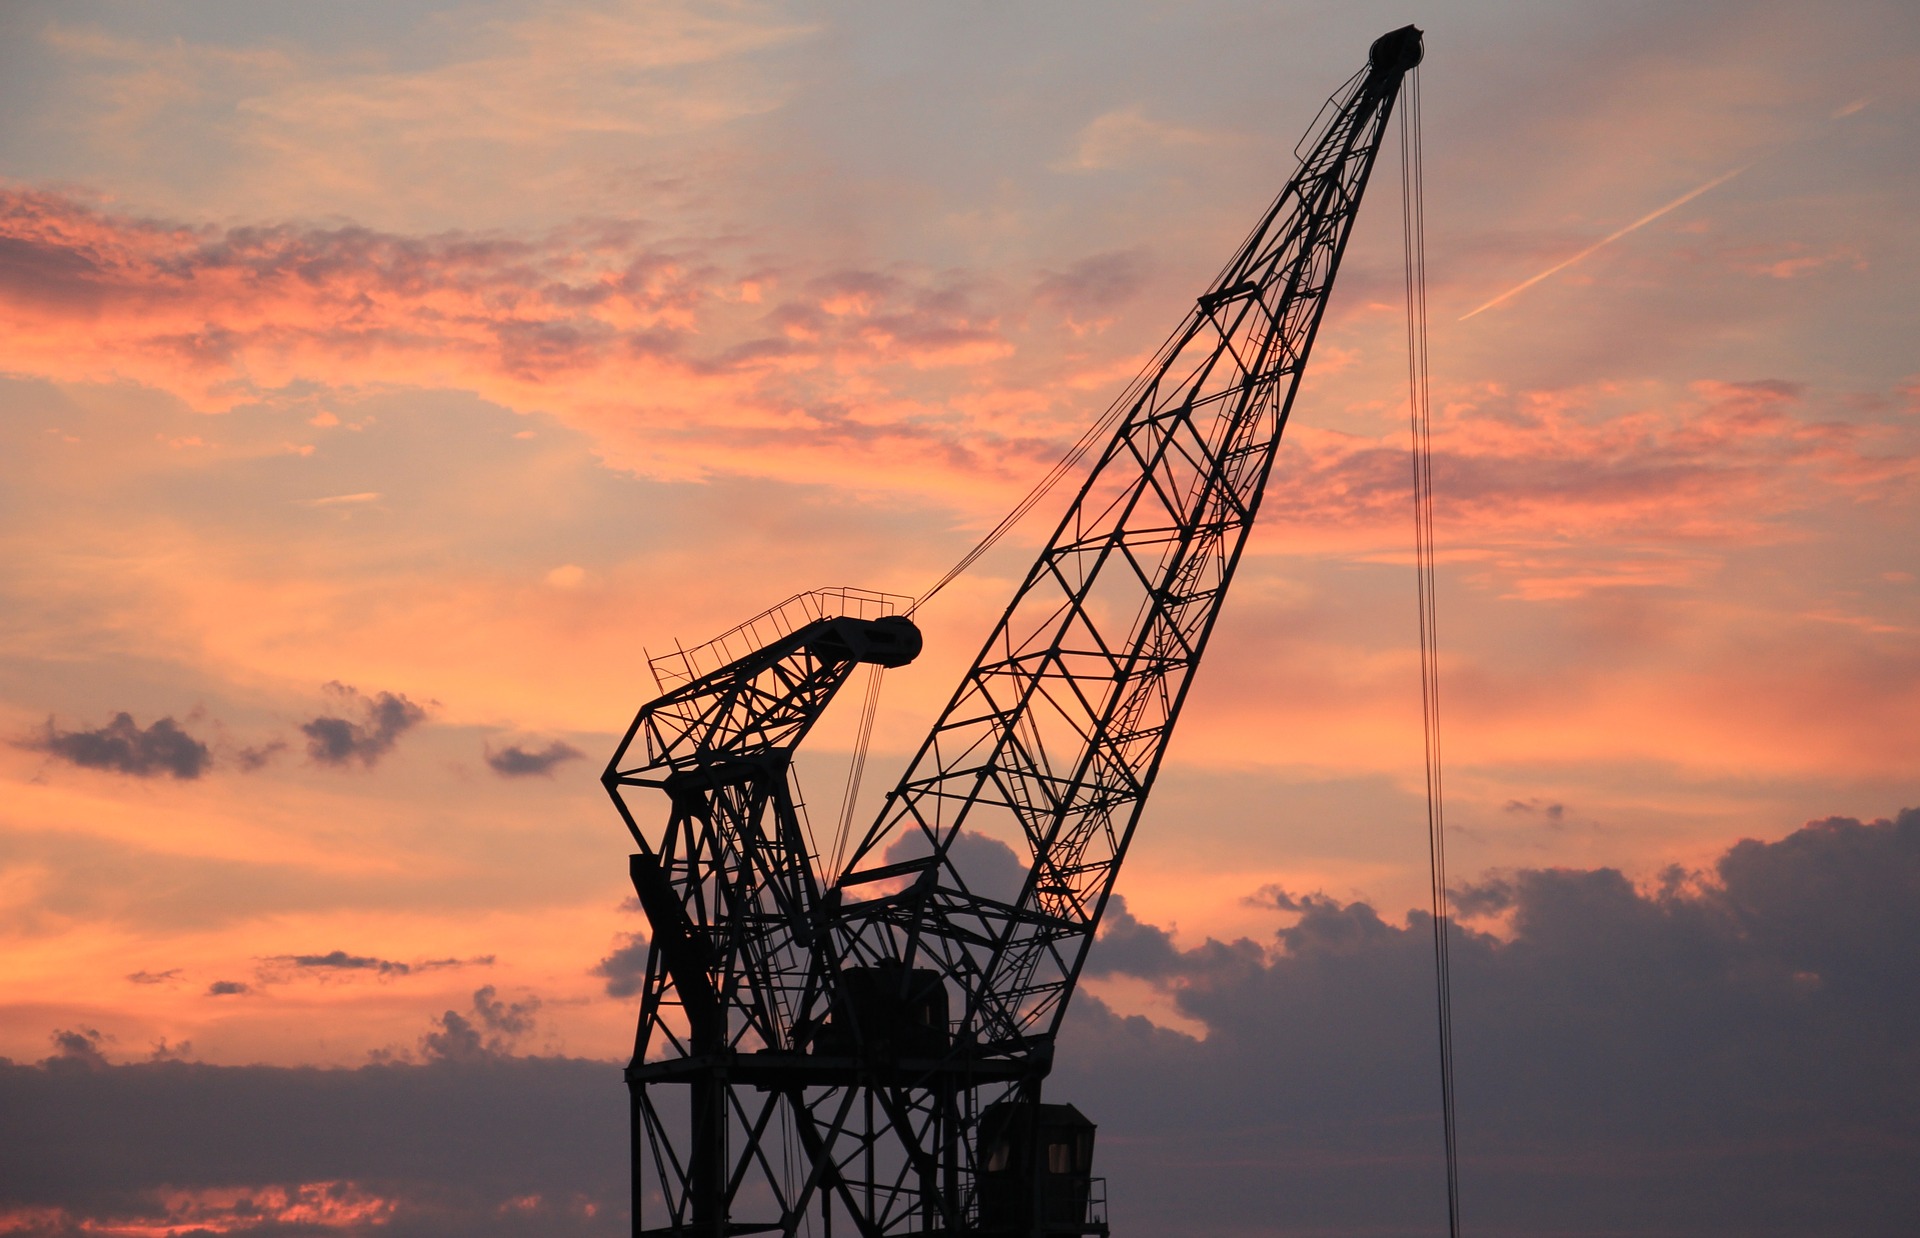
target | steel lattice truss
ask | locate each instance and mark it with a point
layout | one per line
(831, 1043)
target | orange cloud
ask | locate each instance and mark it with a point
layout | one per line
(649, 346)
(873, 381)
(344, 1206)
(1555, 493)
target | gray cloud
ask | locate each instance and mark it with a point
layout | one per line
(1100, 282)
(169, 976)
(281, 967)
(496, 1147)
(228, 988)
(80, 1046)
(383, 719)
(339, 960)
(125, 748)
(1731, 1053)
(490, 1029)
(1280, 899)
(478, 960)
(1553, 811)
(1724, 1053)
(626, 968)
(257, 756)
(987, 865)
(515, 761)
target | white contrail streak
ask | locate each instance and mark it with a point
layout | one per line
(1641, 222)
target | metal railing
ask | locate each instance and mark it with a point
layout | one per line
(1094, 1222)
(682, 666)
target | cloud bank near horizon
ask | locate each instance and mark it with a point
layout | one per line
(1725, 1053)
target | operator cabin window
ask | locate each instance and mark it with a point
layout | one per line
(1059, 1158)
(998, 1158)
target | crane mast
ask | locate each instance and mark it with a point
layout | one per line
(868, 1048)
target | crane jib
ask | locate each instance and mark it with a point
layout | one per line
(870, 1045)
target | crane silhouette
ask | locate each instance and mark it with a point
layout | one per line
(868, 1048)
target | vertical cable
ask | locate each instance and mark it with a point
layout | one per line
(850, 795)
(1413, 228)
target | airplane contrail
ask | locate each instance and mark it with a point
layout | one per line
(1609, 239)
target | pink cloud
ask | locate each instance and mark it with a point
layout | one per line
(656, 350)
(1565, 491)
(935, 384)
(339, 1206)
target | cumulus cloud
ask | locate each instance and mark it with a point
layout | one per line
(625, 969)
(1730, 1051)
(987, 865)
(382, 720)
(124, 747)
(81, 1046)
(518, 761)
(490, 1029)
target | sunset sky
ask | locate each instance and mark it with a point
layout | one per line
(380, 380)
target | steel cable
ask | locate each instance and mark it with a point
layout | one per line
(1413, 229)
(850, 794)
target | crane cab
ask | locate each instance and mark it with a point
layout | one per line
(888, 1011)
(1036, 1170)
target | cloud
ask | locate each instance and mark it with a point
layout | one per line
(228, 988)
(1728, 1054)
(489, 1030)
(340, 965)
(1277, 898)
(125, 748)
(384, 718)
(500, 1146)
(548, 103)
(78, 1047)
(169, 976)
(1126, 135)
(840, 374)
(1556, 494)
(1092, 287)
(942, 384)
(340, 960)
(625, 969)
(1731, 1051)
(1552, 811)
(478, 960)
(515, 761)
(258, 756)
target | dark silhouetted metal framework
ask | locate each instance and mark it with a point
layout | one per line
(865, 1051)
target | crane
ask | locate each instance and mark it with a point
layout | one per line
(867, 1048)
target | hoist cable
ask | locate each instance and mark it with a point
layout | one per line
(1061, 468)
(1121, 406)
(1413, 229)
(850, 794)
(1066, 464)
